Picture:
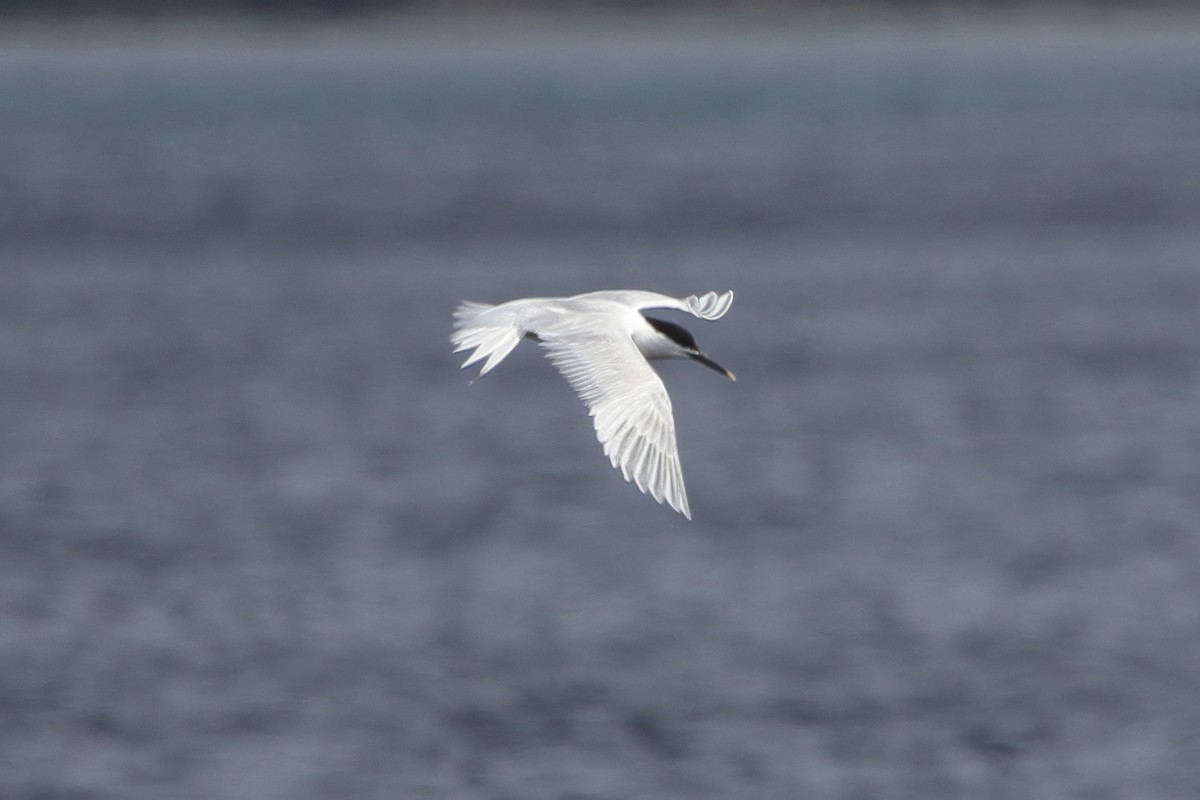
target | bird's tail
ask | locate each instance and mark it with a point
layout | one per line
(492, 335)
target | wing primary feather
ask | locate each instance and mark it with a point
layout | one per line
(629, 406)
(710, 305)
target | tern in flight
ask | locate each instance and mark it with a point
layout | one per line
(602, 343)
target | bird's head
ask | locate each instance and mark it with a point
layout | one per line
(679, 343)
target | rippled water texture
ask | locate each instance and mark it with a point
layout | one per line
(259, 538)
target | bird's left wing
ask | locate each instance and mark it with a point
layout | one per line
(629, 405)
(709, 305)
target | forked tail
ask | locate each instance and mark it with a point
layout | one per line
(493, 336)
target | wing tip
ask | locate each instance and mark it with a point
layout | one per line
(710, 305)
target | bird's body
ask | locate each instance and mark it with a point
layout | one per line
(601, 342)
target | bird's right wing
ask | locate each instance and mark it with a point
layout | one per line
(629, 405)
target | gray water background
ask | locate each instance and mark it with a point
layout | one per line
(259, 538)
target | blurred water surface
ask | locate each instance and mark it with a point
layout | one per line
(260, 539)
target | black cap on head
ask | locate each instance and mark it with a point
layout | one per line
(683, 337)
(675, 332)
